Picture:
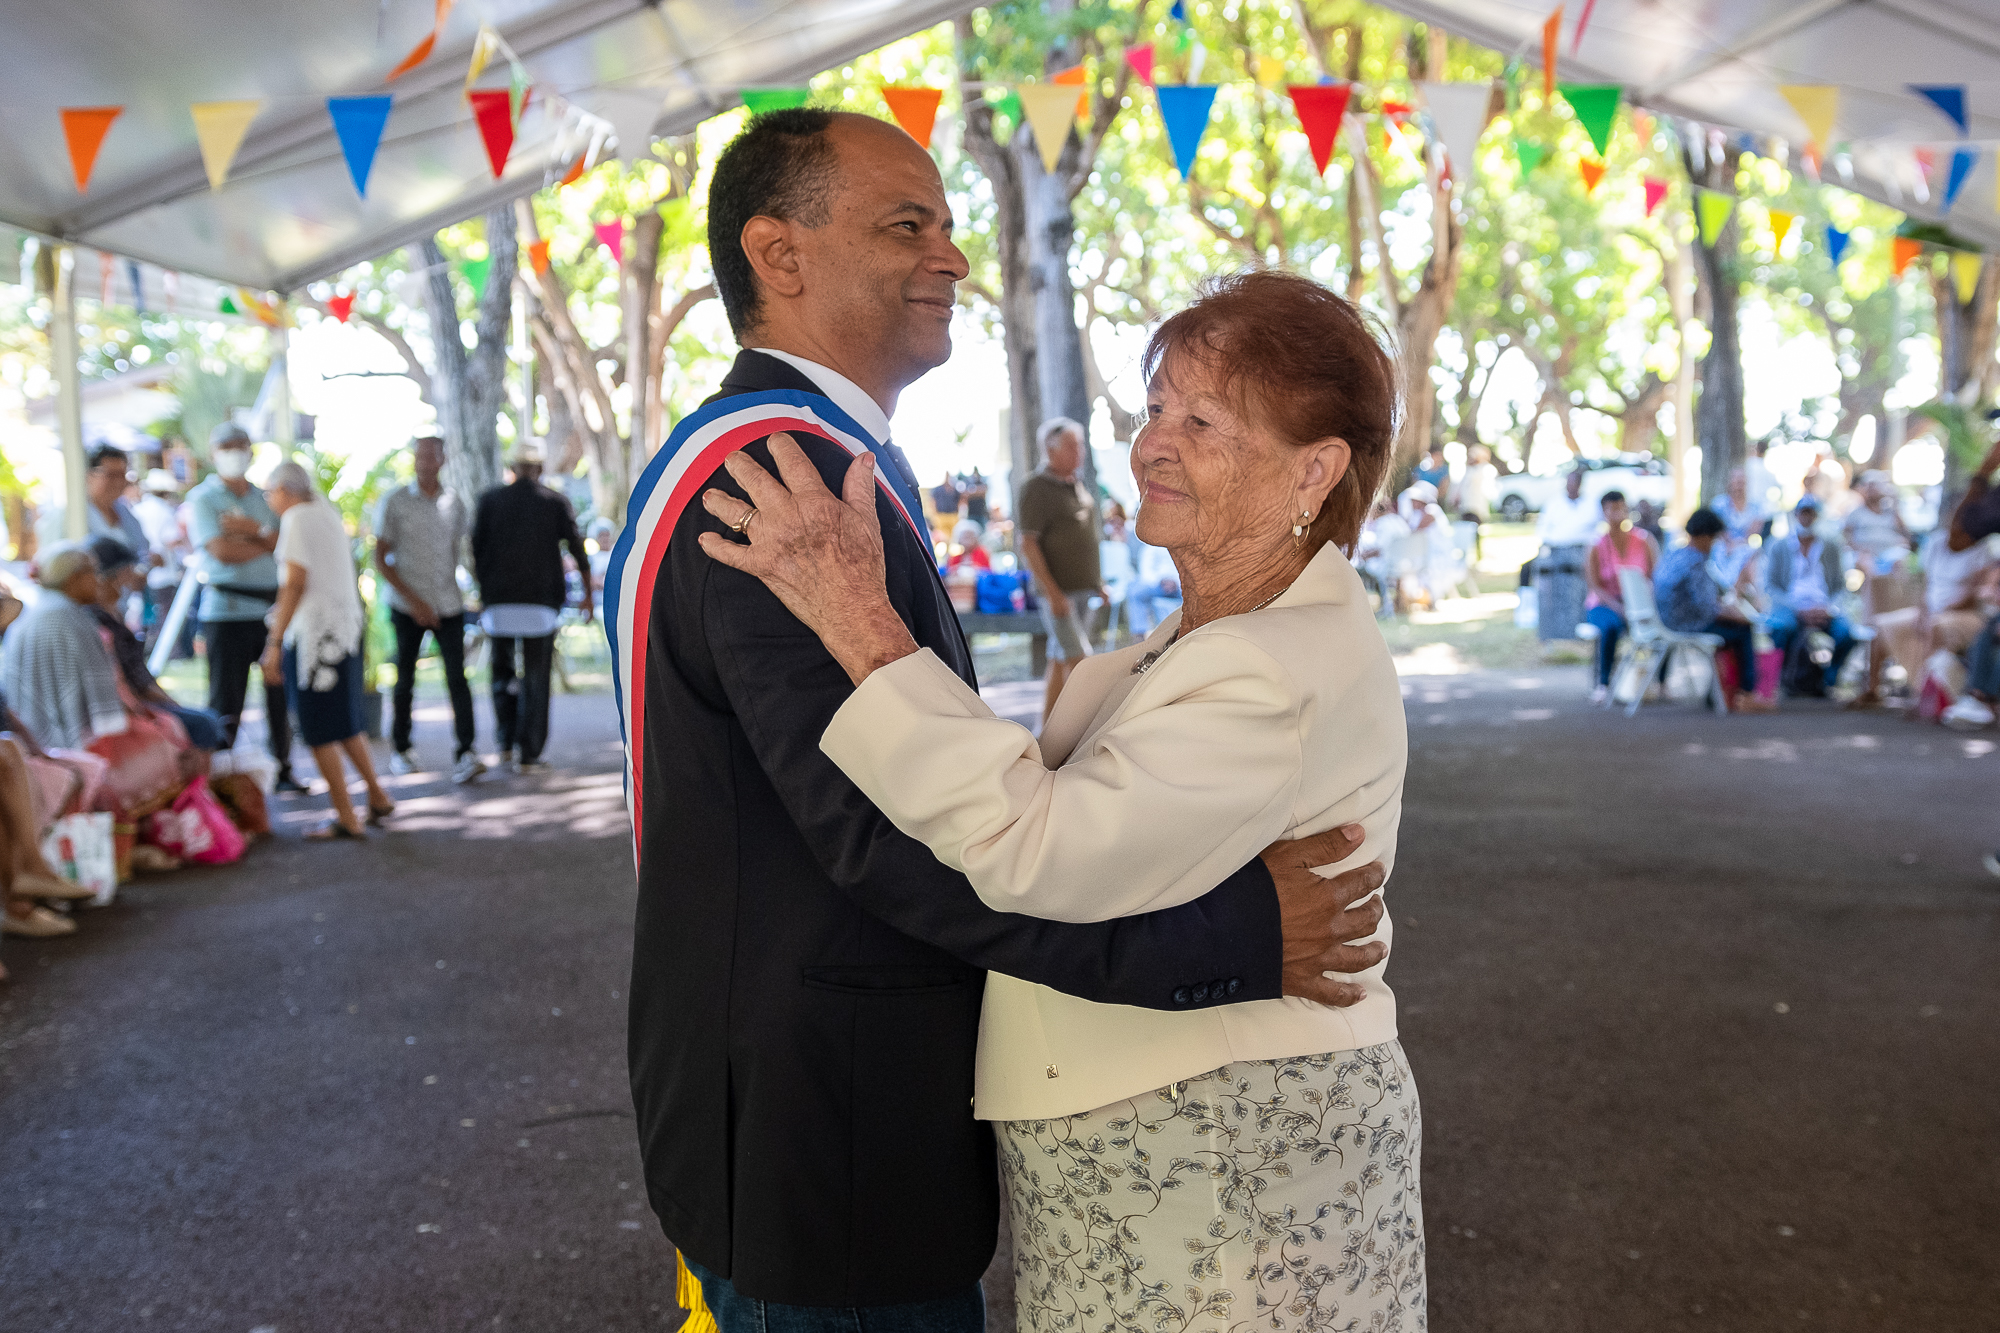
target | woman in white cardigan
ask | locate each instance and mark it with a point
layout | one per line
(1247, 1163)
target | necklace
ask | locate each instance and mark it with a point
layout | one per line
(1140, 667)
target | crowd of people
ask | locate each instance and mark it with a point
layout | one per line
(88, 729)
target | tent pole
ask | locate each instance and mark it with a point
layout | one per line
(69, 395)
(282, 424)
(525, 360)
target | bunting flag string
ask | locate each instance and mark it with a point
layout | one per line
(1050, 110)
(219, 128)
(1592, 172)
(1320, 108)
(359, 121)
(611, 235)
(1140, 58)
(915, 109)
(1596, 107)
(1901, 251)
(1965, 268)
(538, 256)
(1712, 209)
(1836, 245)
(1656, 190)
(422, 50)
(1816, 106)
(484, 47)
(1185, 108)
(494, 112)
(1458, 114)
(84, 128)
(760, 100)
(1551, 35)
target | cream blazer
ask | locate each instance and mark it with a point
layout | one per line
(1144, 792)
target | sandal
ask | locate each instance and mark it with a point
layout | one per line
(378, 813)
(333, 831)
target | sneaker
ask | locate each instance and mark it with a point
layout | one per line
(529, 767)
(468, 767)
(1600, 694)
(288, 784)
(403, 763)
(1968, 714)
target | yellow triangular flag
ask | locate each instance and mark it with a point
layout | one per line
(1965, 272)
(1050, 109)
(1270, 71)
(1781, 227)
(219, 128)
(1816, 105)
(484, 47)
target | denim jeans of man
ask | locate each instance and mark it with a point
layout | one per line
(1783, 624)
(450, 635)
(521, 702)
(736, 1313)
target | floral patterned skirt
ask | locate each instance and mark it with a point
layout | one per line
(1269, 1194)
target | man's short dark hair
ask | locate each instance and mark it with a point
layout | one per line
(1704, 523)
(99, 452)
(1611, 497)
(782, 166)
(111, 554)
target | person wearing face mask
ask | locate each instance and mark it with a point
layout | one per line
(230, 522)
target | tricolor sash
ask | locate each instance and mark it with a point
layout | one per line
(670, 483)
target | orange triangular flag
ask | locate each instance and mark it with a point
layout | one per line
(1593, 172)
(576, 171)
(1901, 251)
(422, 50)
(538, 254)
(85, 127)
(1074, 74)
(915, 109)
(1551, 33)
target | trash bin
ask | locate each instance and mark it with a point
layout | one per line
(1559, 591)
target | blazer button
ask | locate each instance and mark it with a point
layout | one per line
(1201, 992)
(1216, 988)
(1180, 995)
(1235, 984)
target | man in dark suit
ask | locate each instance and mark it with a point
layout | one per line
(806, 979)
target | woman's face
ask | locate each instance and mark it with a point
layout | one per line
(1211, 479)
(1615, 513)
(280, 500)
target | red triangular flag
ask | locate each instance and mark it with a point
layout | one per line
(1656, 190)
(1593, 172)
(340, 307)
(494, 110)
(84, 127)
(1140, 58)
(1320, 107)
(538, 254)
(612, 235)
(915, 109)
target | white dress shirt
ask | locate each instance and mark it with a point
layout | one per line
(846, 394)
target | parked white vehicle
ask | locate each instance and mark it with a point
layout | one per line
(1639, 476)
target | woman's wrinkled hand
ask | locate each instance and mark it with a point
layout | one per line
(820, 553)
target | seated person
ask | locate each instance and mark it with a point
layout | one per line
(965, 548)
(26, 879)
(1689, 593)
(1873, 530)
(118, 574)
(1949, 617)
(1624, 545)
(1974, 709)
(1801, 575)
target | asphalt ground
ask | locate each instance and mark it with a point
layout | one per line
(1704, 1013)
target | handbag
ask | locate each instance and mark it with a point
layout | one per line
(80, 848)
(195, 828)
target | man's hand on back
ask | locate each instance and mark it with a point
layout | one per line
(1320, 918)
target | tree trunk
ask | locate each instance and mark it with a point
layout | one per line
(470, 385)
(1719, 414)
(1051, 231)
(1680, 293)
(573, 366)
(1017, 294)
(1640, 419)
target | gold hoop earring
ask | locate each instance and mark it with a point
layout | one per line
(1299, 528)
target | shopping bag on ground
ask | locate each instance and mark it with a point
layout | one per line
(195, 828)
(81, 850)
(244, 800)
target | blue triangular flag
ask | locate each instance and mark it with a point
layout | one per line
(1962, 160)
(1946, 97)
(1185, 108)
(359, 121)
(1836, 245)
(1179, 12)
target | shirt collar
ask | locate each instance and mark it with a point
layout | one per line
(846, 394)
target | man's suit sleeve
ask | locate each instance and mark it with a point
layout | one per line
(785, 688)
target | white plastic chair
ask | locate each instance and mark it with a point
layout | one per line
(1643, 652)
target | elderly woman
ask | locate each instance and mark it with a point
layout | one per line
(1258, 1158)
(1623, 546)
(315, 644)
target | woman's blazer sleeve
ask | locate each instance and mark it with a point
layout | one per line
(1197, 775)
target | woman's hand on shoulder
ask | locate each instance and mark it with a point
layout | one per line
(820, 553)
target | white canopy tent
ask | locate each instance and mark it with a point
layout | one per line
(1722, 62)
(289, 212)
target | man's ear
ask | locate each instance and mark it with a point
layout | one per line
(770, 245)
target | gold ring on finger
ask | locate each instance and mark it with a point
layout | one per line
(742, 525)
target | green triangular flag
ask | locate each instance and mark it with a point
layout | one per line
(228, 306)
(1529, 154)
(1712, 209)
(475, 271)
(1596, 106)
(1010, 107)
(760, 100)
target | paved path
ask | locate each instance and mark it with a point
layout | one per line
(1705, 1015)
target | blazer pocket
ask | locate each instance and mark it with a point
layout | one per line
(885, 981)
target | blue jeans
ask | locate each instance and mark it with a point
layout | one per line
(1985, 662)
(1610, 628)
(734, 1313)
(1783, 625)
(1739, 641)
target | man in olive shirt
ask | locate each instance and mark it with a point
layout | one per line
(1059, 529)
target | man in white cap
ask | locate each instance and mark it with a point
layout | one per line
(518, 535)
